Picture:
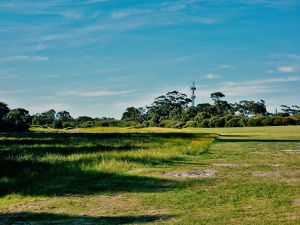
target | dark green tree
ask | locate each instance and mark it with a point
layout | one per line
(3, 110)
(134, 115)
(18, 119)
(216, 96)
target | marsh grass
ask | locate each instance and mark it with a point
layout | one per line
(114, 176)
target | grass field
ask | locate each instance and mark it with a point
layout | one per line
(151, 176)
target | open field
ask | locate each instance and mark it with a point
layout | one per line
(151, 176)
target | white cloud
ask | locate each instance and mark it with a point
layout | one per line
(284, 62)
(20, 58)
(212, 76)
(253, 87)
(286, 69)
(73, 14)
(121, 14)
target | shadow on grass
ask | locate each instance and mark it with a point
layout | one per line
(22, 170)
(38, 143)
(30, 177)
(67, 136)
(48, 218)
(37, 150)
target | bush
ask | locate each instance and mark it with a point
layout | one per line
(255, 122)
(217, 122)
(57, 124)
(297, 119)
(204, 123)
(277, 121)
(190, 123)
(268, 121)
(288, 121)
(235, 121)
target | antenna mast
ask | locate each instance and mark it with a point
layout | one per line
(193, 88)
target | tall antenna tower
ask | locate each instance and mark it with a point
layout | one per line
(193, 88)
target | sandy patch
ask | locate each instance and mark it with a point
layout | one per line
(232, 164)
(296, 202)
(32, 205)
(264, 173)
(274, 164)
(192, 173)
(237, 165)
(291, 151)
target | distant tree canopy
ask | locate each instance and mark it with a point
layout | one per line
(63, 119)
(169, 110)
(173, 110)
(13, 120)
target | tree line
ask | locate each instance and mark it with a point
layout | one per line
(170, 110)
(173, 110)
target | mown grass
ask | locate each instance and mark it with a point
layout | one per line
(118, 176)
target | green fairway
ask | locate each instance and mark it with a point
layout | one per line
(151, 176)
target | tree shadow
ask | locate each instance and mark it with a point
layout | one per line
(27, 218)
(38, 150)
(66, 136)
(28, 177)
(23, 171)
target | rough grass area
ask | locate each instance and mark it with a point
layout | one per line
(151, 176)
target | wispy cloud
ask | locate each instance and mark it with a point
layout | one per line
(246, 88)
(72, 14)
(284, 62)
(96, 93)
(20, 58)
(286, 69)
(102, 93)
(280, 4)
(57, 106)
(212, 76)
(253, 87)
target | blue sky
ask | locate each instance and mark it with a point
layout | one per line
(98, 57)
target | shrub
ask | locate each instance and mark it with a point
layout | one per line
(255, 121)
(277, 121)
(217, 122)
(233, 122)
(204, 123)
(288, 121)
(268, 121)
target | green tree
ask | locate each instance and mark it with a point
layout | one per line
(3, 110)
(63, 116)
(134, 115)
(169, 106)
(18, 119)
(251, 108)
(216, 96)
